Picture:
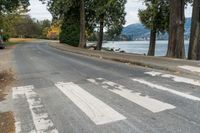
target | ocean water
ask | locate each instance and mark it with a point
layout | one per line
(141, 47)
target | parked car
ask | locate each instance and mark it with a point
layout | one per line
(2, 46)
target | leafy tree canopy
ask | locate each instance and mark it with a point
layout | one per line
(12, 5)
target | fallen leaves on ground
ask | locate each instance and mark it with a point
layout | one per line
(7, 122)
(6, 79)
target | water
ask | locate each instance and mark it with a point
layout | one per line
(141, 47)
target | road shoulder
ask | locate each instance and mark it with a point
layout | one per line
(7, 122)
(161, 63)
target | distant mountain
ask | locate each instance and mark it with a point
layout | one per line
(139, 32)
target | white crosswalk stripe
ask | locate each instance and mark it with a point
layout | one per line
(190, 68)
(159, 87)
(175, 78)
(146, 102)
(17, 127)
(41, 120)
(99, 112)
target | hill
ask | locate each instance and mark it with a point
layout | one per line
(139, 32)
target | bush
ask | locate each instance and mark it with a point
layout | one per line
(6, 37)
(70, 29)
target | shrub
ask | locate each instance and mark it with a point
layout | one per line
(6, 37)
(70, 29)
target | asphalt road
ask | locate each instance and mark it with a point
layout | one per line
(67, 93)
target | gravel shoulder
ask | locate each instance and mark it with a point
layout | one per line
(6, 80)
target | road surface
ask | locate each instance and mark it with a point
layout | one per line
(68, 93)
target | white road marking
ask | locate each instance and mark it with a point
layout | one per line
(159, 87)
(92, 81)
(190, 68)
(41, 119)
(146, 102)
(17, 127)
(96, 110)
(153, 73)
(175, 78)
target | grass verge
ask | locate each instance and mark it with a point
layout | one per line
(14, 41)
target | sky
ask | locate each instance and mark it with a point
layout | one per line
(40, 12)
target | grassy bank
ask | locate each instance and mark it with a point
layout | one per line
(14, 41)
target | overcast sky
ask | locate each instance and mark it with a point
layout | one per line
(39, 11)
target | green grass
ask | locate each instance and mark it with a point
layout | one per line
(10, 43)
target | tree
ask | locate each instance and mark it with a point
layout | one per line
(53, 31)
(9, 11)
(82, 41)
(194, 47)
(156, 18)
(110, 14)
(7, 6)
(60, 8)
(70, 27)
(176, 29)
(176, 47)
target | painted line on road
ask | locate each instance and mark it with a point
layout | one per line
(190, 68)
(18, 128)
(96, 110)
(175, 78)
(159, 87)
(40, 117)
(146, 102)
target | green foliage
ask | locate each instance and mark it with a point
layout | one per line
(6, 37)
(70, 29)
(113, 13)
(7, 6)
(156, 15)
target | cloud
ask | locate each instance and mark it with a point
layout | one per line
(132, 8)
(39, 10)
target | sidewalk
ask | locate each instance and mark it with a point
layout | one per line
(178, 66)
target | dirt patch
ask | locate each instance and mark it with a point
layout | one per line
(18, 40)
(6, 79)
(7, 122)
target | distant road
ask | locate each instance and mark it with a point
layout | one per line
(70, 93)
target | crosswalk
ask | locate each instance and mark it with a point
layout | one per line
(174, 78)
(144, 101)
(98, 111)
(40, 117)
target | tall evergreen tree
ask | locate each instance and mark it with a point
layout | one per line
(176, 29)
(194, 47)
(156, 18)
(110, 15)
(82, 42)
(60, 10)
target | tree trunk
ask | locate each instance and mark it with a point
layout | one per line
(152, 45)
(100, 39)
(194, 47)
(82, 40)
(176, 29)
